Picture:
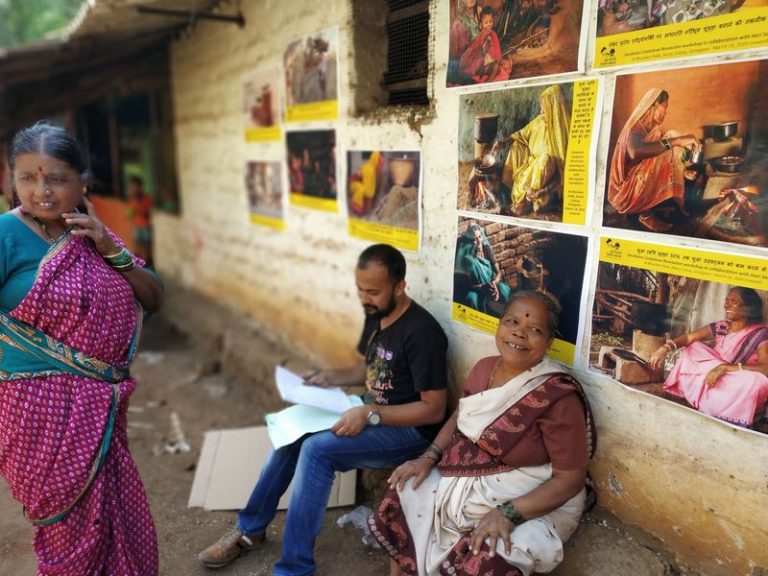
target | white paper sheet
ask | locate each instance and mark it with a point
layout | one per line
(292, 389)
(287, 426)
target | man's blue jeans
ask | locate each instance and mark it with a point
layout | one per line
(311, 462)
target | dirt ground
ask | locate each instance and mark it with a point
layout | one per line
(176, 377)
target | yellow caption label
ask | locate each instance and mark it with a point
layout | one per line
(742, 29)
(688, 262)
(268, 221)
(263, 134)
(324, 110)
(576, 185)
(404, 238)
(324, 204)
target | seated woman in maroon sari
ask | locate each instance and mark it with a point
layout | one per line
(509, 488)
(71, 304)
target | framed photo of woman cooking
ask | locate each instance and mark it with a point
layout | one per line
(528, 151)
(495, 260)
(690, 326)
(687, 156)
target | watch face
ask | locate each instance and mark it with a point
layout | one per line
(374, 418)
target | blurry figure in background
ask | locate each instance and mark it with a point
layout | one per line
(463, 30)
(5, 204)
(535, 163)
(167, 200)
(362, 184)
(482, 57)
(140, 214)
(322, 72)
(475, 257)
(295, 173)
(261, 109)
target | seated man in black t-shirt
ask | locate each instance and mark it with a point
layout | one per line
(403, 366)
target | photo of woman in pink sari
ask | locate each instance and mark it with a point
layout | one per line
(71, 304)
(648, 165)
(729, 379)
(503, 485)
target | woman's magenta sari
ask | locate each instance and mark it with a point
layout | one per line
(63, 442)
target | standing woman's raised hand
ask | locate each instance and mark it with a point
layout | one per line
(89, 225)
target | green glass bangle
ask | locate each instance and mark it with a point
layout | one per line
(117, 255)
(124, 259)
(511, 513)
(128, 266)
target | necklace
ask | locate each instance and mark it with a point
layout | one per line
(492, 379)
(40, 224)
(503, 377)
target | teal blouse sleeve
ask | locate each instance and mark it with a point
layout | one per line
(20, 253)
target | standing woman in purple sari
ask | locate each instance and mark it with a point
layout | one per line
(71, 303)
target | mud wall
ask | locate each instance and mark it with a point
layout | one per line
(698, 484)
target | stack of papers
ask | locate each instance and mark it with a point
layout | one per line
(315, 408)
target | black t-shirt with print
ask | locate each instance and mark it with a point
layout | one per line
(404, 359)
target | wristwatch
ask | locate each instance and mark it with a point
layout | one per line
(374, 417)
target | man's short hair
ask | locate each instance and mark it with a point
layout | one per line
(388, 256)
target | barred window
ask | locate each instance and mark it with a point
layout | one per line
(391, 61)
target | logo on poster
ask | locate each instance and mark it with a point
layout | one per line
(609, 55)
(614, 247)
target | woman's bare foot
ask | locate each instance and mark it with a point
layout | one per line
(394, 568)
(650, 221)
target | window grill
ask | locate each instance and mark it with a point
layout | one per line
(392, 52)
(407, 30)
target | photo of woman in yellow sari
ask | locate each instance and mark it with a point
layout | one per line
(512, 151)
(533, 170)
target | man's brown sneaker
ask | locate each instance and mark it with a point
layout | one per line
(229, 547)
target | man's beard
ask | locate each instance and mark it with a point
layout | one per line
(376, 312)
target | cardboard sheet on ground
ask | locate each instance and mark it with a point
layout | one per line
(230, 463)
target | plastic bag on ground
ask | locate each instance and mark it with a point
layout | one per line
(359, 519)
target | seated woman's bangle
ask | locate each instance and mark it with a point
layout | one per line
(666, 144)
(429, 456)
(740, 366)
(511, 513)
(671, 345)
(435, 449)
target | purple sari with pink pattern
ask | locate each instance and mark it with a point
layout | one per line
(91, 520)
